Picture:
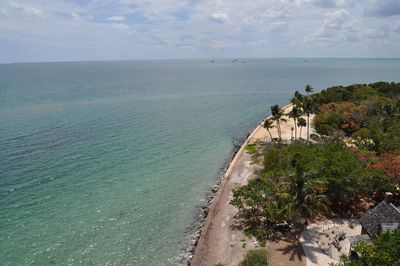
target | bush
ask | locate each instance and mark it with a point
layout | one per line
(385, 251)
(256, 257)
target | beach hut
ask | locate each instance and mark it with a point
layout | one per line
(385, 216)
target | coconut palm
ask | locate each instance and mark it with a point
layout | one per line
(309, 89)
(268, 124)
(302, 195)
(308, 108)
(297, 99)
(277, 115)
(295, 113)
(301, 122)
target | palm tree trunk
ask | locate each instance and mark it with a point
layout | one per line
(295, 128)
(279, 130)
(270, 135)
(308, 126)
(300, 131)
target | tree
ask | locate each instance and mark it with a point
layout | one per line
(268, 124)
(385, 251)
(295, 113)
(301, 122)
(308, 108)
(309, 89)
(277, 114)
(302, 195)
(297, 99)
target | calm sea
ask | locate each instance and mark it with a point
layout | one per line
(108, 163)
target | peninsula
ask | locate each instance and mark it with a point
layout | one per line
(299, 195)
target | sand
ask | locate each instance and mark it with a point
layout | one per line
(317, 241)
(222, 240)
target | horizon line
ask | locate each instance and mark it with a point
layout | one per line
(194, 58)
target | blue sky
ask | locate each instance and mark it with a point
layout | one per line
(55, 30)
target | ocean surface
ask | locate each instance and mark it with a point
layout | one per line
(108, 163)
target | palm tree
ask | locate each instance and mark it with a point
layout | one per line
(297, 99)
(301, 122)
(295, 114)
(308, 108)
(309, 89)
(277, 114)
(268, 124)
(302, 195)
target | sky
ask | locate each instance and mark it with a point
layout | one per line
(78, 30)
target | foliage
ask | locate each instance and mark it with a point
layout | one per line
(256, 257)
(251, 149)
(384, 252)
(295, 113)
(389, 163)
(301, 180)
(356, 158)
(268, 124)
(364, 112)
(277, 116)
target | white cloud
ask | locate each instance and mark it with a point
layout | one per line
(219, 17)
(121, 26)
(278, 26)
(116, 18)
(338, 25)
(273, 13)
(161, 28)
(396, 26)
(321, 3)
(28, 9)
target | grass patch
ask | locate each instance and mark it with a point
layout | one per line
(251, 149)
(255, 257)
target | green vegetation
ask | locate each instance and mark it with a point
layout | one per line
(277, 117)
(268, 124)
(384, 252)
(369, 114)
(251, 149)
(295, 113)
(256, 257)
(293, 186)
(358, 158)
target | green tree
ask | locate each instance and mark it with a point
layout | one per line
(297, 99)
(384, 252)
(303, 195)
(309, 89)
(301, 122)
(308, 108)
(295, 113)
(277, 116)
(268, 124)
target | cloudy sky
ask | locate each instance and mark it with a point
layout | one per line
(56, 30)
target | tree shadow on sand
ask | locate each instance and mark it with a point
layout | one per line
(291, 244)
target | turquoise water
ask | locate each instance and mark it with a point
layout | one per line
(107, 163)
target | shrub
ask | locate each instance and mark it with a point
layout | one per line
(256, 257)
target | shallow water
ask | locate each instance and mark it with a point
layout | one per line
(109, 162)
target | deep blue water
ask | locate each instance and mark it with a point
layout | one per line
(108, 162)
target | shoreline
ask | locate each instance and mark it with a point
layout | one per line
(218, 201)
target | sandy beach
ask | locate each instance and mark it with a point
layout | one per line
(222, 240)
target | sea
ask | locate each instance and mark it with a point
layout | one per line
(109, 163)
